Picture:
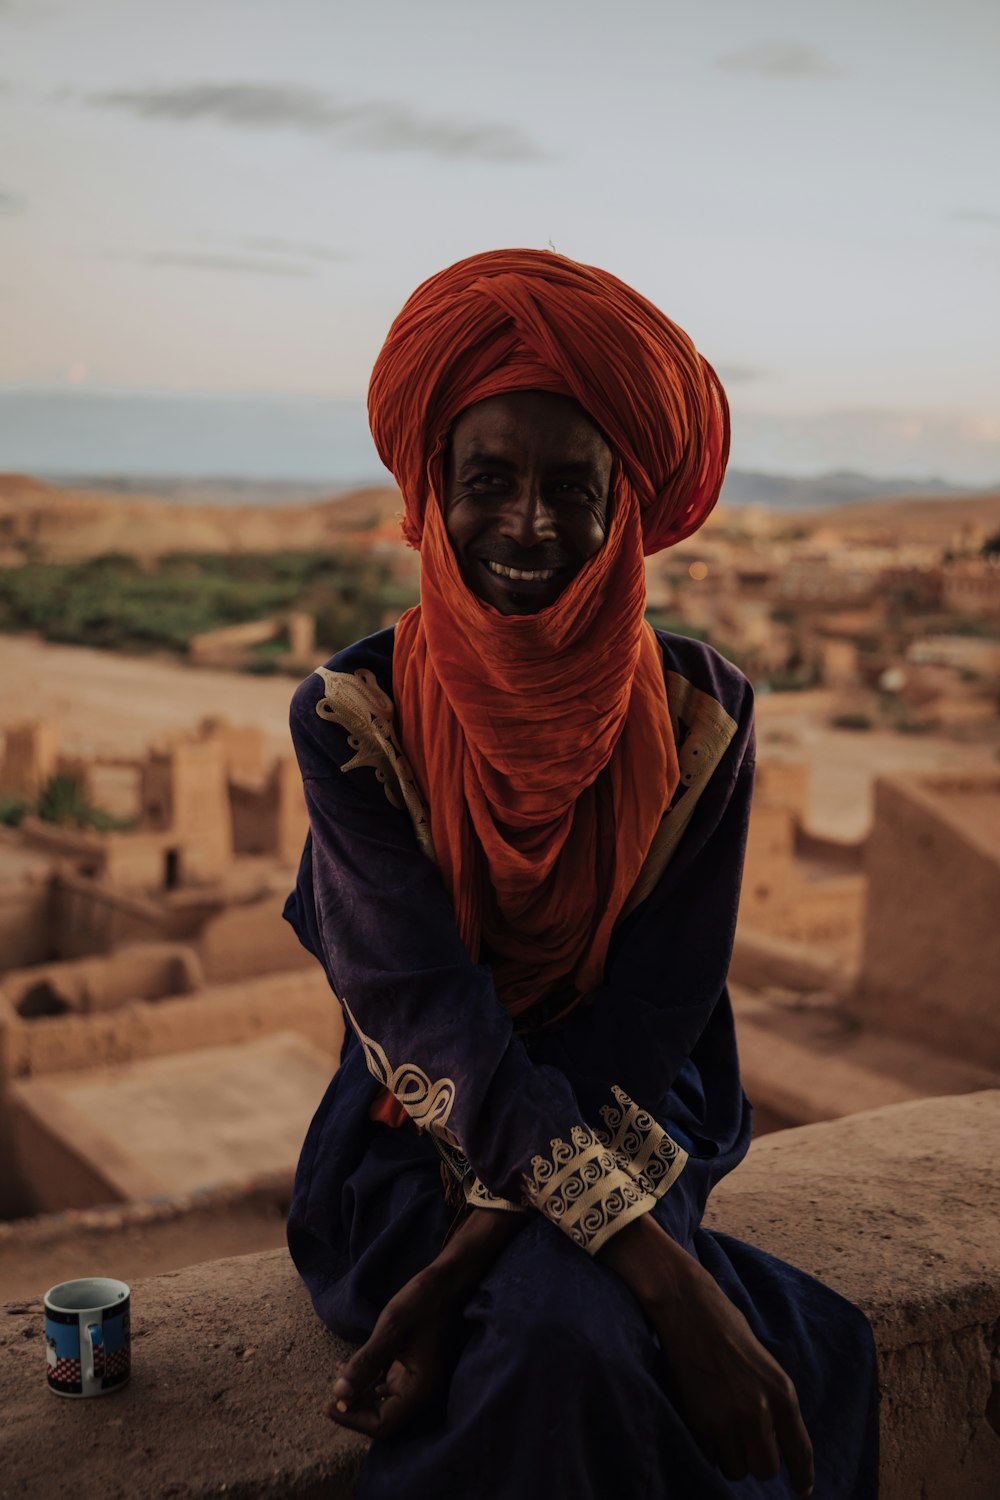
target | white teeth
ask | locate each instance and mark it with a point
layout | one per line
(521, 574)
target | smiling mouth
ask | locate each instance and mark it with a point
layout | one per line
(521, 575)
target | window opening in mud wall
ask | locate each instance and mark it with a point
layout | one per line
(43, 999)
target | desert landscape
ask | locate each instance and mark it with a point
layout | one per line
(153, 821)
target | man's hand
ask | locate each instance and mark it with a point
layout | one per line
(405, 1364)
(737, 1400)
(410, 1356)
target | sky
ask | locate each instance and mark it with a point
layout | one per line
(217, 207)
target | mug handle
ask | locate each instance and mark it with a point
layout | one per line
(94, 1341)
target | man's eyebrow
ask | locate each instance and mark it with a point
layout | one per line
(480, 456)
(583, 466)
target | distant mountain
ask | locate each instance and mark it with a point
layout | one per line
(224, 450)
(742, 487)
(843, 487)
(65, 523)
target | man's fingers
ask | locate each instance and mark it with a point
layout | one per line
(793, 1440)
(729, 1454)
(359, 1418)
(378, 1413)
(371, 1416)
(763, 1458)
(368, 1362)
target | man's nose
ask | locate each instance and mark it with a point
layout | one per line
(528, 518)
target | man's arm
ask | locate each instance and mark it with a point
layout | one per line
(430, 1023)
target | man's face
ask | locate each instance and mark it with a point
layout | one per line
(526, 497)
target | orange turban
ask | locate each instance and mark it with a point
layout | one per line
(542, 742)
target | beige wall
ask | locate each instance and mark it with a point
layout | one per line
(87, 918)
(270, 817)
(839, 662)
(53, 1173)
(292, 817)
(137, 861)
(213, 644)
(25, 921)
(245, 941)
(30, 757)
(185, 792)
(144, 971)
(213, 1017)
(932, 935)
(243, 747)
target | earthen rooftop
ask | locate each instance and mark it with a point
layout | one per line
(175, 1124)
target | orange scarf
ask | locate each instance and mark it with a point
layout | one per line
(542, 742)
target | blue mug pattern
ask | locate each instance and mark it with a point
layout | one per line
(109, 1339)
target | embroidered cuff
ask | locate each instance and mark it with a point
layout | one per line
(584, 1191)
(478, 1195)
(640, 1145)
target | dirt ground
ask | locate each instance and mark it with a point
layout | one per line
(111, 704)
(129, 1249)
(844, 764)
(116, 705)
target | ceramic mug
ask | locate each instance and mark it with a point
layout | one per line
(88, 1336)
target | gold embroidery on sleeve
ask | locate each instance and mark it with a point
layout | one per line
(357, 703)
(584, 1191)
(471, 1188)
(641, 1145)
(703, 732)
(428, 1104)
(478, 1195)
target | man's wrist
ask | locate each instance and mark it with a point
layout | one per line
(650, 1263)
(473, 1247)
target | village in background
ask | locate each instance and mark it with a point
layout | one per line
(164, 1040)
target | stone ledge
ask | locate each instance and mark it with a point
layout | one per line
(891, 1207)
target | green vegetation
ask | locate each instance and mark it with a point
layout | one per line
(122, 603)
(969, 625)
(12, 810)
(62, 801)
(676, 625)
(912, 726)
(795, 678)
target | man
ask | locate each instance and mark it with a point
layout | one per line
(528, 813)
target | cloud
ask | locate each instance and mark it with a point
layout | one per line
(11, 203)
(295, 248)
(194, 261)
(976, 216)
(923, 443)
(28, 11)
(779, 60)
(737, 374)
(370, 126)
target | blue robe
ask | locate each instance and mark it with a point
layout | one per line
(630, 1104)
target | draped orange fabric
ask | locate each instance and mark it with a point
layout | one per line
(542, 742)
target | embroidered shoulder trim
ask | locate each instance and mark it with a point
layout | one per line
(703, 732)
(428, 1104)
(641, 1145)
(584, 1191)
(357, 703)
